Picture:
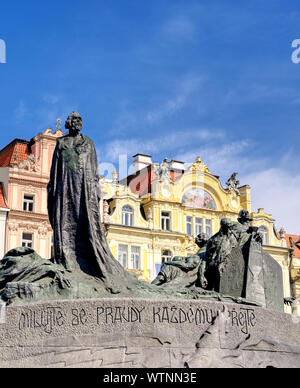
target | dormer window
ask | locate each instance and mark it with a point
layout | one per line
(263, 231)
(127, 216)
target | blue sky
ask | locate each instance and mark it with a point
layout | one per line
(171, 78)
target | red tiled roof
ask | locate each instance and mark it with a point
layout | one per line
(140, 182)
(294, 238)
(17, 151)
(2, 196)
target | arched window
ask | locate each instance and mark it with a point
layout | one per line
(127, 216)
(166, 256)
(265, 235)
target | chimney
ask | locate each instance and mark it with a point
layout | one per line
(177, 165)
(141, 161)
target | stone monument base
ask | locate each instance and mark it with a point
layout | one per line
(142, 333)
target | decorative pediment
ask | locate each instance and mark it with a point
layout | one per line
(199, 166)
(30, 164)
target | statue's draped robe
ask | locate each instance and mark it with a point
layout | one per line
(24, 265)
(73, 205)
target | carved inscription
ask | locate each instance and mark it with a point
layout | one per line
(244, 319)
(176, 315)
(46, 319)
(49, 318)
(119, 314)
(79, 317)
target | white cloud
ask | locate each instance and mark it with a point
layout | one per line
(174, 104)
(168, 143)
(221, 158)
(182, 96)
(277, 190)
(129, 147)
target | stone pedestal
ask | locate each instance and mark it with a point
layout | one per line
(140, 333)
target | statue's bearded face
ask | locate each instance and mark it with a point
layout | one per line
(76, 124)
(225, 225)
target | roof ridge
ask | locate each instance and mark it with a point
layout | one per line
(23, 141)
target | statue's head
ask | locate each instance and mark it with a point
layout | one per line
(226, 224)
(201, 240)
(74, 123)
(244, 217)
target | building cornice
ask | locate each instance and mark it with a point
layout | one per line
(275, 248)
(31, 182)
(28, 215)
(4, 209)
(156, 232)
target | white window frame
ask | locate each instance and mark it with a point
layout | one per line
(165, 220)
(208, 225)
(127, 215)
(121, 258)
(265, 233)
(27, 202)
(189, 224)
(198, 224)
(164, 257)
(135, 258)
(26, 242)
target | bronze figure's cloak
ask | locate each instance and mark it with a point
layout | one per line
(73, 206)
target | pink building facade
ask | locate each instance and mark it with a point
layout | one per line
(24, 174)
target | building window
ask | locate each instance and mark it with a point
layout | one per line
(127, 216)
(135, 258)
(27, 240)
(166, 256)
(198, 226)
(165, 221)
(189, 226)
(208, 227)
(263, 231)
(28, 203)
(123, 255)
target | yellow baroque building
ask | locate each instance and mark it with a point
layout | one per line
(156, 213)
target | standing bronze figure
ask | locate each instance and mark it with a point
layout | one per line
(73, 206)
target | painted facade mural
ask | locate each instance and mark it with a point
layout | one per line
(198, 199)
